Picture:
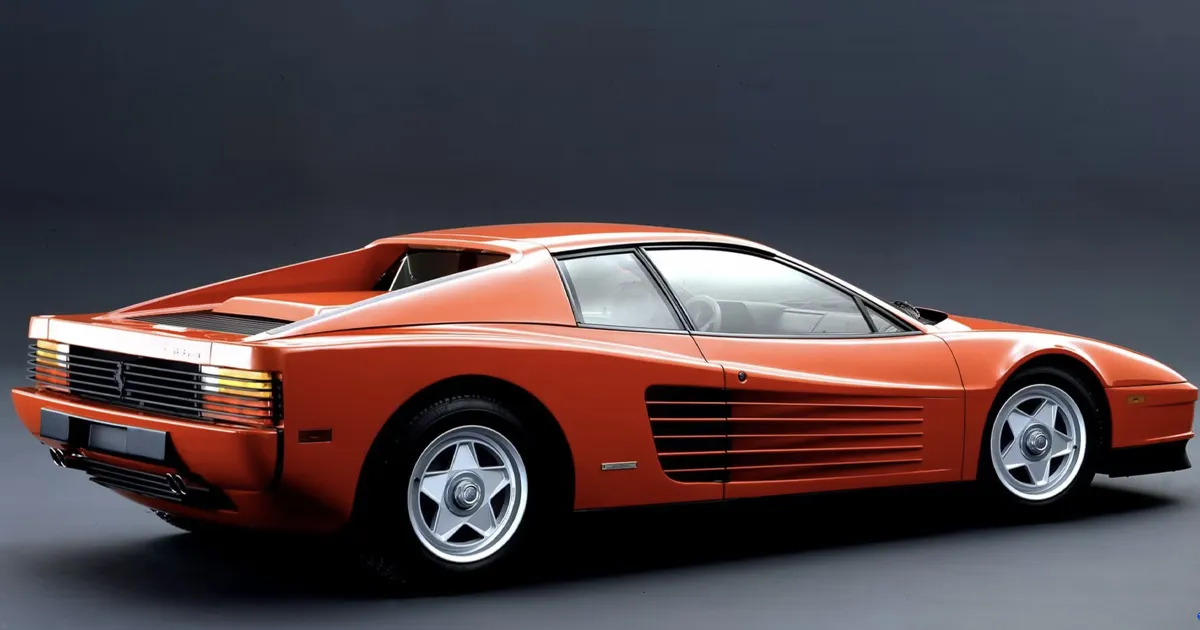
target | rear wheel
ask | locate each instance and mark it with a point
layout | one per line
(467, 494)
(1040, 445)
(455, 493)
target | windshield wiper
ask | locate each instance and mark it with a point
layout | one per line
(911, 310)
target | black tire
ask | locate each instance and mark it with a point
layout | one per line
(1096, 443)
(383, 538)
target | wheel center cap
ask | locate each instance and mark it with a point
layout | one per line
(467, 494)
(1036, 442)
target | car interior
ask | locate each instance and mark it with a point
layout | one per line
(616, 290)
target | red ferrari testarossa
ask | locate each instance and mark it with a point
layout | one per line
(444, 395)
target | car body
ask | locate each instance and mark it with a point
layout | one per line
(259, 402)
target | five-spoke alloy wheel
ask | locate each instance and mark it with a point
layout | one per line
(467, 493)
(1037, 442)
(1038, 446)
(454, 491)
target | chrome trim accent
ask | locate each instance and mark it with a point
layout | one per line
(176, 484)
(618, 466)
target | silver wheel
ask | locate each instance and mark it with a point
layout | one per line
(1038, 442)
(467, 494)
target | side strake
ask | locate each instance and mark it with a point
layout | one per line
(706, 435)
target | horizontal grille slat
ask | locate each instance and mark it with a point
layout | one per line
(215, 322)
(690, 426)
(93, 381)
(78, 365)
(190, 383)
(78, 359)
(147, 395)
(83, 391)
(718, 435)
(159, 386)
(158, 372)
(170, 388)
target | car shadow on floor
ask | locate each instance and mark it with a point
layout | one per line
(191, 570)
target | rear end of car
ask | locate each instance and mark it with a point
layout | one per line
(178, 403)
(177, 421)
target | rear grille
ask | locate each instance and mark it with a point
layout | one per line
(215, 322)
(169, 388)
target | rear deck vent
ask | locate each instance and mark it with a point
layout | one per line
(215, 322)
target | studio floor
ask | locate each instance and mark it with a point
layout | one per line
(73, 554)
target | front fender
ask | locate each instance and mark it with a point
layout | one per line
(987, 359)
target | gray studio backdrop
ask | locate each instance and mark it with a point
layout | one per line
(1026, 161)
(1033, 162)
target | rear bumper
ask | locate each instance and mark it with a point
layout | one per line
(218, 473)
(231, 458)
(1147, 460)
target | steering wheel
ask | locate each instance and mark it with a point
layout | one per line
(704, 321)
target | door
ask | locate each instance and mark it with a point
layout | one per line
(822, 390)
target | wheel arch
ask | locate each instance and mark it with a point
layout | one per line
(1076, 367)
(519, 400)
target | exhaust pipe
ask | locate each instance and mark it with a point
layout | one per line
(59, 457)
(177, 485)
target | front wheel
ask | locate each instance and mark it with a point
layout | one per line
(1042, 438)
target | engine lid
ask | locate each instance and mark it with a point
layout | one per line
(291, 306)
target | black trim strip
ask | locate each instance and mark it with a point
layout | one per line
(862, 309)
(1147, 460)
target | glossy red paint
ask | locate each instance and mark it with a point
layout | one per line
(291, 306)
(841, 413)
(991, 352)
(800, 415)
(1151, 414)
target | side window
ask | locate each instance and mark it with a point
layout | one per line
(615, 290)
(882, 323)
(736, 293)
